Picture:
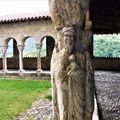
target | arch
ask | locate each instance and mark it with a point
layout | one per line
(12, 54)
(25, 38)
(43, 48)
(45, 60)
(12, 47)
(46, 36)
(29, 54)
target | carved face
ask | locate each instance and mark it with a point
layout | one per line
(68, 41)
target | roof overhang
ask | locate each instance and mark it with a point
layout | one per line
(105, 16)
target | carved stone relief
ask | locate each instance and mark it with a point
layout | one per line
(71, 66)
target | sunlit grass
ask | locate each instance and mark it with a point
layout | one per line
(17, 95)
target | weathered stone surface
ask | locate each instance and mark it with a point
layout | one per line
(22, 30)
(68, 12)
(72, 79)
(71, 66)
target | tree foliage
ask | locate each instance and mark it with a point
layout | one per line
(106, 45)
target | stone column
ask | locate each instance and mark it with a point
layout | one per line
(71, 64)
(4, 57)
(20, 49)
(39, 70)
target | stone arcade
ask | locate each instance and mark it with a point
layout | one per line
(19, 27)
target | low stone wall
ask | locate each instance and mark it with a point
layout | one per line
(31, 63)
(28, 63)
(107, 63)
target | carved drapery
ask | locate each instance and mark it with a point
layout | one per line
(71, 66)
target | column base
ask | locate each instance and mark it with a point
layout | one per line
(38, 71)
(21, 72)
(4, 71)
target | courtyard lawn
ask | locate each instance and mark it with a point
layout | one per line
(17, 95)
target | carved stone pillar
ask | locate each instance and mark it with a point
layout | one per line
(38, 46)
(4, 57)
(71, 64)
(20, 49)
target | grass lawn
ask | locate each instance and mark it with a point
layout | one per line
(17, 95)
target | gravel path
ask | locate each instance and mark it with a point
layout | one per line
(107, 86)
(40, 110)
(108, 94)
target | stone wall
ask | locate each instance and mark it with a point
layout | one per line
(107, 63)
(31, 63)
(28, 63)
(21, 30)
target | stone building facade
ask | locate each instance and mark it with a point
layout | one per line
(19, 28)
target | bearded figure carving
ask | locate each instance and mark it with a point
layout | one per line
(71, 66)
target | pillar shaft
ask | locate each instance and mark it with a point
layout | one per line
(39, 60)
(4, 57)
(20, 49)
(38, 46)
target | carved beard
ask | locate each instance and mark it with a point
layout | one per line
(69, 47)
(69, 42)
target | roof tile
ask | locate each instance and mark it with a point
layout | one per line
(24, 16)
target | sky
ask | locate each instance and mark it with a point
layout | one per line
(8, 7)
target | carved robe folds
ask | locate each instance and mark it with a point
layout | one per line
(72, 80)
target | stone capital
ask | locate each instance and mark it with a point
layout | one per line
(4, 48)
(20, 47)
(38, 46)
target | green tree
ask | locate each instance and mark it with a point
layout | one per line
(106, 45)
